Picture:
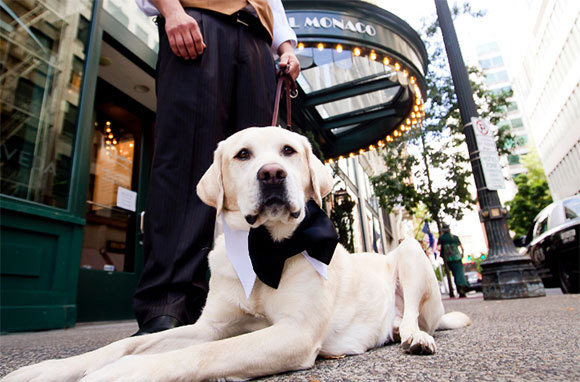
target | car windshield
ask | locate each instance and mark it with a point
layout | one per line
(572, 208)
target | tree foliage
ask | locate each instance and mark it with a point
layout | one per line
(430, 166)
(532, 196)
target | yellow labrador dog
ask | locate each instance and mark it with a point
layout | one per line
(356, 303)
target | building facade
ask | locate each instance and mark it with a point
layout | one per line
(77, 120)
(498, 79)
(549, 84)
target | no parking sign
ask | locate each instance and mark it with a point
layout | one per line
(488, 155)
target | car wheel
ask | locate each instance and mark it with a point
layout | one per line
(569, 282)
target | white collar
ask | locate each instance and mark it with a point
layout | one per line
(239, 256)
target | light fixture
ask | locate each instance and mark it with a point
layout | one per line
(356, 51)
(301, 46)
(386, 61)
(320, 46)
(339, 48)
(373, 55)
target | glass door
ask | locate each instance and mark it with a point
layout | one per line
(111, 203)
(111, 256)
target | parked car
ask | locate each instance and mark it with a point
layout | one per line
(553, 244)
(473, 276)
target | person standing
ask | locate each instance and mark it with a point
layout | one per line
(449, 246)
(215, 76)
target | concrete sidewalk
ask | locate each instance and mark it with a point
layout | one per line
(525, 339)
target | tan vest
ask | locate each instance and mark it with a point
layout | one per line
(229, 7)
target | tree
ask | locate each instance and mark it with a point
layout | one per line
(430, 166)
(532, 196)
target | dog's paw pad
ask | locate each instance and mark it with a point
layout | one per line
(419, 343)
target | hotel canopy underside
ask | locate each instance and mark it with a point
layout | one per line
(362, 79)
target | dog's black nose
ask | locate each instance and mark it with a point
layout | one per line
(271, 174)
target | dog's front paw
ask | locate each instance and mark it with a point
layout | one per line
(419, 343)
(54, 370)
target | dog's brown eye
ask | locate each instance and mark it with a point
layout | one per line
(288, 150)
(243, 154)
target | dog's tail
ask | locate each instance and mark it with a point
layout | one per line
(454, 320)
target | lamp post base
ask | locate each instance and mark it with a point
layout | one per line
(510, 278)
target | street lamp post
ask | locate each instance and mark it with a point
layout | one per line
(506, 274)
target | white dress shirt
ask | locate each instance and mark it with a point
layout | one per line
(282, 31)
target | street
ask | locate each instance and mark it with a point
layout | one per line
(524, 339)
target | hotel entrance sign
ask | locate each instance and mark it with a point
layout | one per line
(488, 155)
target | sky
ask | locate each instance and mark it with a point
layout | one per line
(504, 22)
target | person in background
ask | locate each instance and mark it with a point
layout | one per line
(215, 76)
(449, 246)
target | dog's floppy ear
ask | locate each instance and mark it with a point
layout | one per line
(320, 177)
(210, 188)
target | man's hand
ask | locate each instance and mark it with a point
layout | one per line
(182, 30)
(184, 35)
(288, 59)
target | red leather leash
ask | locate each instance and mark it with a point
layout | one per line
(285, 79)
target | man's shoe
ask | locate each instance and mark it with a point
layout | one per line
(158, 324)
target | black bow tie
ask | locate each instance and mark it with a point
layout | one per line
(315, 234)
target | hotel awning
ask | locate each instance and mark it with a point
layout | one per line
(362, 76)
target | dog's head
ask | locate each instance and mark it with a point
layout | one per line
(266, 175)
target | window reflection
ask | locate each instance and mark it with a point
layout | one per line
(367, 102)
(337, 68)
(323, 69)
(42, 54)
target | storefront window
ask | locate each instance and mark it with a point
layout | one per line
(43, 47)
